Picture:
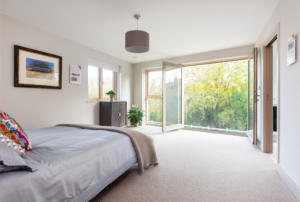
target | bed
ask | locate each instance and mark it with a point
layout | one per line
(74, 164)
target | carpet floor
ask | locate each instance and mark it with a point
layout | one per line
(197, 166)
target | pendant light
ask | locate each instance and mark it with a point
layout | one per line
(137, 41)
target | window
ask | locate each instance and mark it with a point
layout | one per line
(107, 82)
(216, 96)
(154, 96)
(100, 81)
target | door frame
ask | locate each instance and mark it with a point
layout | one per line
(274, 32)
(268, 99)
(255, 96)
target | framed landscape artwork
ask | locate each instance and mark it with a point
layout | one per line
(36, 69)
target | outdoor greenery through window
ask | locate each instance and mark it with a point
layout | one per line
(93, 82)
(100, 81)
(155, 79)
(215, 96)
(154, 113)
(108, 77)
(154, 97)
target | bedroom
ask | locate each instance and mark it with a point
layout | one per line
(82, 31)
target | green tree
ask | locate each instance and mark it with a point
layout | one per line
(216, 95)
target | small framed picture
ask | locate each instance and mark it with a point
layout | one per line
(75, 74)
(37, 69)
(291, 50)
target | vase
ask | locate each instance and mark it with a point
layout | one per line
(136, 124)
(111, 99)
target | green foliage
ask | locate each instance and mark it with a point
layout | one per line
(135, 116)
(93, 90)
(111, 93)
(215, 95)
(154, 107)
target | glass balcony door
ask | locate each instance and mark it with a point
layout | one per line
(252, 97)
(173, 97)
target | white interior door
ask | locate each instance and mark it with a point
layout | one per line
(173, 96)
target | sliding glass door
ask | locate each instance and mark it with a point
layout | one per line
(173, 97)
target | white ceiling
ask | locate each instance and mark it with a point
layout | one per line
(176, 27)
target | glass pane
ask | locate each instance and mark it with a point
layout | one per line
(250, 98)
(154, 111)
(107, 82)
(93, 82)
(224, 112)
(155, 83)
(173, 97)
(216, 97)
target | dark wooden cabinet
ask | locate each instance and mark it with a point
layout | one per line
(113, 113)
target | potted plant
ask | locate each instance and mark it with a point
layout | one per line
(135, 116)
(111, 94)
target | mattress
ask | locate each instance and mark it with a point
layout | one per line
(73, 165)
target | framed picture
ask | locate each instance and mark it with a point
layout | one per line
(291, 50)
(75, 74)
(37, 69)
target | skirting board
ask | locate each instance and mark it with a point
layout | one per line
(289, 182)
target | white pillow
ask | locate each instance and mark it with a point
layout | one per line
(11, 160)
(11, 144)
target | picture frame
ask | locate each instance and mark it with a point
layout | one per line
(37, 69)
(291, 50)
(75, 74)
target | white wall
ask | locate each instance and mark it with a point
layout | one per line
(287, 14)
(139, 68)
(36, 108)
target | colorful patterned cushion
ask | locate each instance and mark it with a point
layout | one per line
(11, 129)
(11, 144)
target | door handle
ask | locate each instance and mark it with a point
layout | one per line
(255, 97)
(267, 97)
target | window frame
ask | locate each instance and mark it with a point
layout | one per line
(147, 93)
(100, 81)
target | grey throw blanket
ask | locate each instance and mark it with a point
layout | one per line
(143, 144)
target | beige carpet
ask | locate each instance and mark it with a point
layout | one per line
(195, 166)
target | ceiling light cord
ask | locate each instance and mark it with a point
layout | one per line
(137, 17)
